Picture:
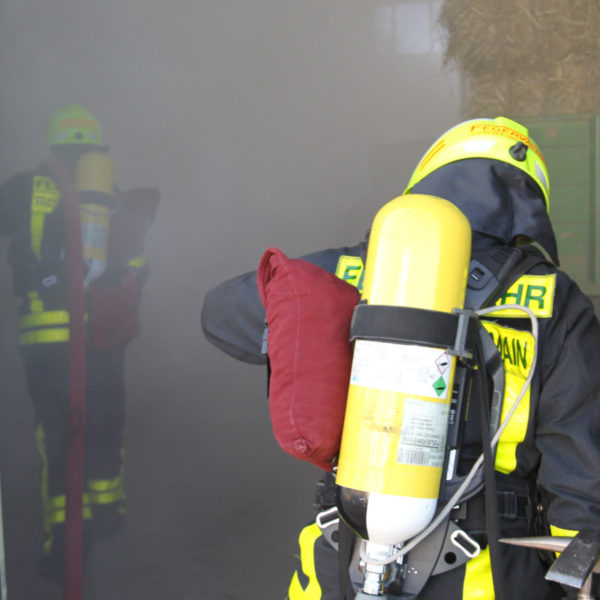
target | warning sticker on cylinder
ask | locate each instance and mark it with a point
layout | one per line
(414, 370)
(423, 433)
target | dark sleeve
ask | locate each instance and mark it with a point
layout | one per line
(136, 210)
(568, 414)
(15, 196)
(233, 317)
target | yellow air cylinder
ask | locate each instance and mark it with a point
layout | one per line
(95, 173)
(394, 435)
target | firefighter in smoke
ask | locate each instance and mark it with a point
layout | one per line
(113, 225)
(547, 463)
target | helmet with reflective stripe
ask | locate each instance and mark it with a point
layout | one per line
(73, 124)
(500, 139)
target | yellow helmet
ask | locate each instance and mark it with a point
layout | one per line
(73, 124)
(499, 139)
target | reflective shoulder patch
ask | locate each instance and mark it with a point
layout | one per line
(45, 195)
(44, 199)
(516, 350)
(515, 347)
(351, 270)
(536, 292)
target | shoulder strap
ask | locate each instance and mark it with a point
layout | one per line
(518, 262)
(493, 271)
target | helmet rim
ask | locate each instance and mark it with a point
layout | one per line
(500, 139)
(73, 125)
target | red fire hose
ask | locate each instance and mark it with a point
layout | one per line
(73, 574)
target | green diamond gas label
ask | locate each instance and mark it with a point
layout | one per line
(414, 370)
(439, 386)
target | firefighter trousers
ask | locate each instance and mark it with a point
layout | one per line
(46, 367)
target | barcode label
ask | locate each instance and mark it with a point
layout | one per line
(412, 457)
(423, 433)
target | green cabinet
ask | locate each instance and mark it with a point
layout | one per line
(571, 146)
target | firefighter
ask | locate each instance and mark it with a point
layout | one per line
(547, 467)
(113, 224)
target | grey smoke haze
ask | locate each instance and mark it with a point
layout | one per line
(264, 123)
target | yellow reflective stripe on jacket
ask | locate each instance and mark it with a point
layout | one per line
(560, 532)
(307, 539)
(39, 318)
(36, 326)
(556, 531)
(516, 349)
(536, 292)
(351, 270)
(49, 317)
(44, 336)
(478, 583)
(36, 304)
(44, 199)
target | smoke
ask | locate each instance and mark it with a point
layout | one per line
(263, 123)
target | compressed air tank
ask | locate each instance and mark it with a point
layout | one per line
(394, 434)
(95, 174)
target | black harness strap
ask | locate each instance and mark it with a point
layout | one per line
(492, 517)
(418, 326)
(346, 541)
(488, 280)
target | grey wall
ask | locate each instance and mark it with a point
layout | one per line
(264, 123)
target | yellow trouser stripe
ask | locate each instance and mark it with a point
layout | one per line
(59, 516)
(308, 537)
(54, 508)
(105, 485)
(106, 491)
(478, 583)
(41, 446)
(105, 497)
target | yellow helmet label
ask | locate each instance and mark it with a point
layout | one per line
(77, 123)
(492, 128)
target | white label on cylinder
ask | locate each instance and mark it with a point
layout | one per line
(415, 370)
(94, 234)
(423, 433)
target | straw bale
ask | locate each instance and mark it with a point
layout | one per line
(525, 56)
(572, 86)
